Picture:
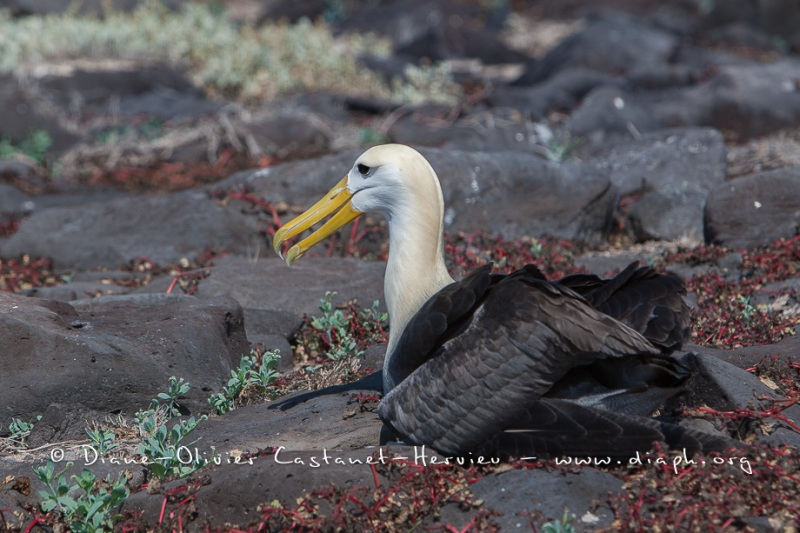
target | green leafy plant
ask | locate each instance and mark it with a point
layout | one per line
(86, 512)
(167, 451)
(748, 309)
(254, 371)
(20, 430)
(177, 387)
(560, 149)
(338, 330)
(561, 526)
(371, 136)
(35, 146)
(102, 440)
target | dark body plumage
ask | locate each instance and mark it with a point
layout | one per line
(515, 364)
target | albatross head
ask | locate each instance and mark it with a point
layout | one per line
(397, 182)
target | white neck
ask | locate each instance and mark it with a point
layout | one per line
(415, 270)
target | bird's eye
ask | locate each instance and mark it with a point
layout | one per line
(363, 169)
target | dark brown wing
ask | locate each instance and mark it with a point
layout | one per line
(444, 316)
(551, 428)
(649, 302)
(526, 336)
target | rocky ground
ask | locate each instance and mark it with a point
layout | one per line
(137, 207)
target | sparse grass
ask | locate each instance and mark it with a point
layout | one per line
(235, 61)
(779, 150)
(560, 149)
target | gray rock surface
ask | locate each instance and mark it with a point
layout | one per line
(11, 198)
(269, 284)
(332, 422)
(754, 210)
(517, 493)
(114, 354)
(670, 161)
(723, 386)
(668, 215)
(613, 44)
(161, 228)
(564, 90)
(154, 91)
(289, 134)
(609, 111)
(747, 100)
(20, 115)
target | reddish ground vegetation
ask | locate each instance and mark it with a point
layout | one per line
(366, 329)
(721, 493)
(167, 176)
(746, 423)
(404, 495)
(465, 252)
(26, 273)
(9, 224)
(724, 316)
(186, 274)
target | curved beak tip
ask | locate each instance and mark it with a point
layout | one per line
(336, 202)
(294, 253)
(277, 241)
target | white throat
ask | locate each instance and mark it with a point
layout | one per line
(415, 271)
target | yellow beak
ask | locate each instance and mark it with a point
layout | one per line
(337, 197)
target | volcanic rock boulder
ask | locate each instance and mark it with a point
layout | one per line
(754, 210)
(667, 174)
(105, 234)
(114, 354)
(613, 44)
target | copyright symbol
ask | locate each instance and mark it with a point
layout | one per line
(57, 455)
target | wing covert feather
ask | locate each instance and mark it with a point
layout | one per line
(479, 383)
(443, 316)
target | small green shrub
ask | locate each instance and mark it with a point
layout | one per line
(226, 58)
(561, 526)
(177, 387)
(254, 372)
(167, 451)
(164, 449)
(20, 430)
(35, 146)
(102, 440)
(342, 334)
(91, 511)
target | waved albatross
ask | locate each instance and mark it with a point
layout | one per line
(507, 364)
